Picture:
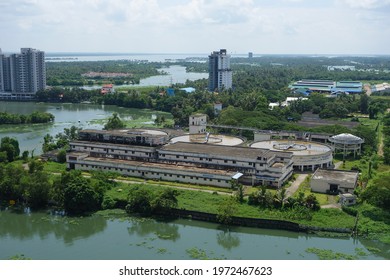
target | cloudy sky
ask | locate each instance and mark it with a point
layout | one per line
(197, 26)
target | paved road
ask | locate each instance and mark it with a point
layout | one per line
(295, 185)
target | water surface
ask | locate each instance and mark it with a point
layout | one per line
(44, 236)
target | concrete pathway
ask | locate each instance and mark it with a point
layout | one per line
(295, 185)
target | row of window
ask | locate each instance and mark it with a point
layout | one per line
(154, 173)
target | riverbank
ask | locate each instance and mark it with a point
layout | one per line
(205, 199)
(114, 235)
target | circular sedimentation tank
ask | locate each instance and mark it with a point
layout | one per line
(216, 139)
(306, 155)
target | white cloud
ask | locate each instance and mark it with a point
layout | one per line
(284, 26)
(367, 4)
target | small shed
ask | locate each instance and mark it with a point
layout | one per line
(347, 199)
(333, 181)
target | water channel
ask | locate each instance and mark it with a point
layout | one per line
(89, 116)
(41, 235)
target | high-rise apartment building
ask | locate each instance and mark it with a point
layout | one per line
(22, 74)
(220, 74)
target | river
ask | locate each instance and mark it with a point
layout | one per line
(30, 136)
(175, 74)
(42, 236)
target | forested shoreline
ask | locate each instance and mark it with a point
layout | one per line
(35, 117)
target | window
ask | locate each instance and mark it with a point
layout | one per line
(234, 161)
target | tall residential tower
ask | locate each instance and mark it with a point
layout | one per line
(220, 74)
(22, 74)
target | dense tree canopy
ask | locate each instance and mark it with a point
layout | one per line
(10, 149)
(35, 117)
(378, 191)
(114, 123)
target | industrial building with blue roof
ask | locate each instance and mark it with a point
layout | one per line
(327, 86)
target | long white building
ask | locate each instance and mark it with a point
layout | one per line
(22, 74)
(195, 163)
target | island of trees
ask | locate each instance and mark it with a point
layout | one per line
(35, 117)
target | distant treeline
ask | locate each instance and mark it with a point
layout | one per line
(35, 117)
(71, 73)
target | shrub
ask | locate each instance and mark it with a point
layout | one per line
(350, 211)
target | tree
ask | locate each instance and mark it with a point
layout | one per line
(36, 188)
(61, 156)
(378, 191)
(280, 198)
(226, 209)
(312, 202)
(239, 190)
(114, 123)
(166, 199)
(48, 143)
(24, 156)
(11, 147)
(364, 102)
(139, 201)
(10, 181)
(80, 197)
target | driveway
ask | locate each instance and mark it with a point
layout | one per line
(295, 185)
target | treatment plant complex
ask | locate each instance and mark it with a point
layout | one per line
(198, 157)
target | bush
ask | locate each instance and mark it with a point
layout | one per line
(350, 211)
(108, 203)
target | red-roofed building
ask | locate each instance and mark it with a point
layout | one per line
(109, 88)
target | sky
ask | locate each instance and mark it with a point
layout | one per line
(349, 27)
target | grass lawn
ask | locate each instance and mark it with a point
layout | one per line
(54, 167)
(209, 202)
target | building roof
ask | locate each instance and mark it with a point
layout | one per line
(126, 132)
(222, 151)
(346, 138)
(188, 89)
(162, 166)
(336, 175)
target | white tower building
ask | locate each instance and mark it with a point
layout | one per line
(220, 74)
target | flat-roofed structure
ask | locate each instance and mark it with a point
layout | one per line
(381, 88)
(333, 181)
(258, 166)
(306, 155)
(328, 86)
(152, 170)
(145, 137)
